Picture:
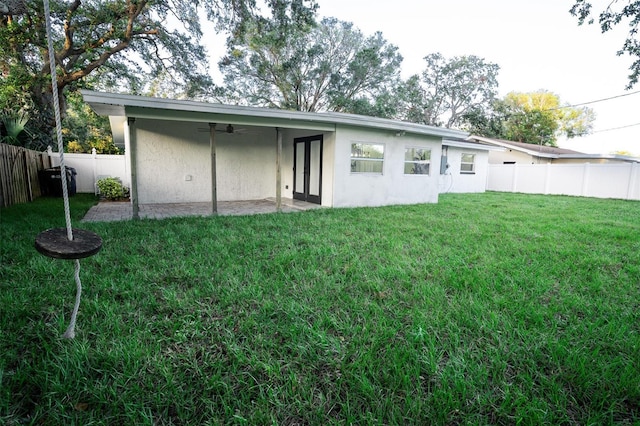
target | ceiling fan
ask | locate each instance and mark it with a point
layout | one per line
(229, 129)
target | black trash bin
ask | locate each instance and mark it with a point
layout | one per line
(51, 182)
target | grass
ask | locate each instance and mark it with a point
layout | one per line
(483, 309)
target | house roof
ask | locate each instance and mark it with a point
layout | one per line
(118, 105)
(469, 144)
(529, 148)
(550, 151)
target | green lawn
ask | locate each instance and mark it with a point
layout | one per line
(482, 309)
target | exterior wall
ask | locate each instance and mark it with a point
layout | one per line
(454, 181)
(174, 163)
(328, 150)
(392, 186)
(173, 166)
(510, 155)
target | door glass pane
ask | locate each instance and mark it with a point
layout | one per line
(314, 171)
(299, 177)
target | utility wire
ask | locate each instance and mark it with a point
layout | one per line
(593, 102)
(616, 128)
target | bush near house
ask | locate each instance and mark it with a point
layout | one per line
(112, 189)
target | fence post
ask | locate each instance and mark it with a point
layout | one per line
(632, 180)
(27, 175)
(46, 164)
(94, 155)
(585, 179)
(547, 178)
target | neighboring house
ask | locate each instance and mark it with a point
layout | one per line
(526, 153)
(185, 151)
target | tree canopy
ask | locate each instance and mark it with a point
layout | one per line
(117, 42)
(616, 13)
(331, 66)
(535, 117)
(449, 89)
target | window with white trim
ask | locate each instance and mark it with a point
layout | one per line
(367, 158)
(468, 164)
(417, 161)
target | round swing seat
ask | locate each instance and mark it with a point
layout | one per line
(54, 243)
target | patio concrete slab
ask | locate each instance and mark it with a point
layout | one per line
(116, 211)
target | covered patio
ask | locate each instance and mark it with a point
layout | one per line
(116, 211)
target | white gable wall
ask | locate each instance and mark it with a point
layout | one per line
(391, 187)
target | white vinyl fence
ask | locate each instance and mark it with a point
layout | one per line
(91, 167)
(620, 181)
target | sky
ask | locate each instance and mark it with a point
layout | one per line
(537, 44)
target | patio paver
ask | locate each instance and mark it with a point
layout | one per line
(115, 211)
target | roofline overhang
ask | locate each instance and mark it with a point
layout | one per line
(470, 145)
(625, 158)
(573, 156)
(509, 146)
(133, 106)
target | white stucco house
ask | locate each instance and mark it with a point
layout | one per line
(184, 151)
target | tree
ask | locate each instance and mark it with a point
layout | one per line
(84, 130)
(13, 128)
(614, 14)
(449, 90)
(117, 42)
(328, 67)
(489, 123)
(537, 117)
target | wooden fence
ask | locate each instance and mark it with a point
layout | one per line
(19, 174)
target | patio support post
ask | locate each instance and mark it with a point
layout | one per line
(278, 170)
(133, 148)
(214, 188)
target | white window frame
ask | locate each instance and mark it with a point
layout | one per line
(414, 162)
(367, 159)
(472, 163)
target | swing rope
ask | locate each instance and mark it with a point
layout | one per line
(70, 332)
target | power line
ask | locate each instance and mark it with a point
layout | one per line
(596, 101)
(616, 128)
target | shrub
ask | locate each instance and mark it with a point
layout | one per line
(111, 188)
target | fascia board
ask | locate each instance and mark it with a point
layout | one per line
(222, 118)
(471, 145)
(599, 157)
(162, 108)
(515, 148)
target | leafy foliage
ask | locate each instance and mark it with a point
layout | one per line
(328, 67)
(614, 14)
(111, 188)
(84, 130)
(448, 90)
(536, 117)
(122, 45)
(14, 127)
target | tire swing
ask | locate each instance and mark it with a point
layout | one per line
(65, 243)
